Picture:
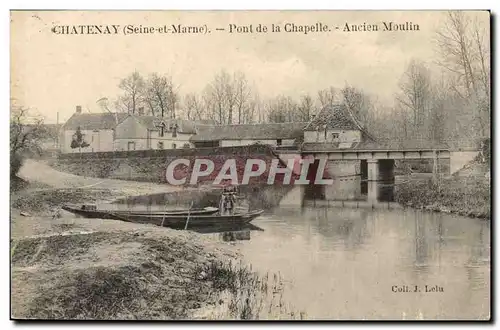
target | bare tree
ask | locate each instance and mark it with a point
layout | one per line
(194, 108)
(327, 97)
(103, 103)
(243, 98)
(160, 96)
(230, 95)
(416, 95)
(306, 108)
(229, 98)
(465, 54)
(215, 96)
(132, 93)
(282, 109)
(252, 110)
(26, 130)
(357, 102)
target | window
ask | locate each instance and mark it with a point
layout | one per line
(131, 146)
(174, 146)
(335, 136)
(160, 145)
(162, 129)
(174, 130)
(279, 141)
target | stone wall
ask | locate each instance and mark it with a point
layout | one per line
(150, 165)
(344, 168)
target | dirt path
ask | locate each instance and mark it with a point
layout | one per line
(37, 171)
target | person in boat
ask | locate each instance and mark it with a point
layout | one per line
(228, 201)
(222, 204)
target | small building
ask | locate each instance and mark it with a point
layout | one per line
(274, 134)
(139, 132)
(95, 130)
(335, 125)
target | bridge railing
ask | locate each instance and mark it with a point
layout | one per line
(452, 144)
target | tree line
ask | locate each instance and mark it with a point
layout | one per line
(229, 99)
(434, 105)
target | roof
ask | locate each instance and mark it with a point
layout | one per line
(183, 125)
(249, 131)
(379, 145)
(93, 121)
(334, 117)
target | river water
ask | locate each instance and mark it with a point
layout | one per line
(345, 257)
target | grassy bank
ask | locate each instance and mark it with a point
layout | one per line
(467, 196)
(106, 275)
(136, 276)
(73, 268)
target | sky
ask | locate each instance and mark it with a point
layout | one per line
(53, 73)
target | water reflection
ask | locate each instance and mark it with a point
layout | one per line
(255, 197)
(343, 263)
(342, 252)
(353, 189)
(224, 229)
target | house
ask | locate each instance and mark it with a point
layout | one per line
(95, 130)
(274, 134)
(335, 125)
(139, 132)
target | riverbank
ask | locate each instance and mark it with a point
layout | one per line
(464, 195)
(64, 267)
(75, 268)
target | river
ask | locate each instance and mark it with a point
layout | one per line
(342, 257)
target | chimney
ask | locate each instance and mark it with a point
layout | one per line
(141, 111)
(78, 109)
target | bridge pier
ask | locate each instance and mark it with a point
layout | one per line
(380, 170)
(372, 169)
(372, 192)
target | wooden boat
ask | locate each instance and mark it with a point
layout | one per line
(192, 220)
(90, 211)
(176, 219)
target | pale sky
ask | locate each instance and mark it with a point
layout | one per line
(54, 73)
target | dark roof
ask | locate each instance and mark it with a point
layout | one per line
(93, 121)
(334, 117)
(378, 145)
(183, 125)
(249, 132)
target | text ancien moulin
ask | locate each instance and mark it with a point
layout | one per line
(383, 26)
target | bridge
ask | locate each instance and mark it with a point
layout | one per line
(335, 135)
(350, 164)
(375, 160)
